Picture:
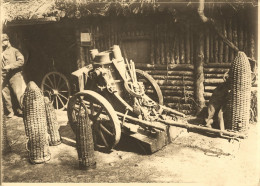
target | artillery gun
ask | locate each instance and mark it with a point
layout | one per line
(121, 99)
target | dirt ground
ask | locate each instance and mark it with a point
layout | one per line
(190, 158)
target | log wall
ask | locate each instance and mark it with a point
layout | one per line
(172, 55)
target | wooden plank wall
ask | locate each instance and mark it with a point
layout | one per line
(173, 53)
(218, 55)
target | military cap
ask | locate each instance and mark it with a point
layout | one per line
(5, 37)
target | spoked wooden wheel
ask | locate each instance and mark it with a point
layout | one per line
(105, 124)
(56, 86)
(152, 89)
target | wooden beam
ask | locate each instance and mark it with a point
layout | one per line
(199, 73)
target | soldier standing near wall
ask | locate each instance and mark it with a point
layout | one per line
(12, 64)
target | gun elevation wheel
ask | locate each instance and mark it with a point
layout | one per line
(56, 86)
(105, 123)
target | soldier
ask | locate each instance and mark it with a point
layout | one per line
(12, 64)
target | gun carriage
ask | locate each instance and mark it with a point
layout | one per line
(119, 98)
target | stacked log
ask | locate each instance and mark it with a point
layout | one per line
(176, 83)
(213, 73)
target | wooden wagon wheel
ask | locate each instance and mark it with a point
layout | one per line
(105, 123)
(56, 86)
(152, 89)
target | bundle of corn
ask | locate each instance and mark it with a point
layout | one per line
(239, 97)
(5, 143)
(52, 124)
(85, 144)
(253, 113)
(35, 124)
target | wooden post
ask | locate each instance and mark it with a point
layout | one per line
(167, 44)
(234, 28)
(152, 47)
(162, 43)
(187, 45)
(226, 49)
(207, 46)
(80, 50)
(216, 48)
(211, 46)
(191, 46)
(220, 43)
(172, 44)
(199, 74)
(229, 35)
(182, 36)
(157, 45)
(251, 45)
(176, 50)
(245, 36)
(240, 32)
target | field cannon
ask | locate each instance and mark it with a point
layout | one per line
(119, 98)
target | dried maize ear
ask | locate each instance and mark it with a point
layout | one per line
(239, 97)
(5, 143)
(85, 144)
(52, 124)
(35, 124)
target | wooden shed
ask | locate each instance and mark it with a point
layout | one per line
(186, 56)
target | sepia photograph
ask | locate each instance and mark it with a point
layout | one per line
(129, 91)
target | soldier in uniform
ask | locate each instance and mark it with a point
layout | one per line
(12, 78)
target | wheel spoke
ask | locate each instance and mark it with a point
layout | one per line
(61, 100)
(82, 103)
(54, 80)
(50, 81)
(62, 96)
(98, 113)
(47, 86)
(57, 105)
(62, 85)
(106, 130)
(91, 108)
(59, 81)
(103, 138)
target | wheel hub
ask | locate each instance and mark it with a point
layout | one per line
(55, 92)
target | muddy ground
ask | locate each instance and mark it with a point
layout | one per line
(190, 158)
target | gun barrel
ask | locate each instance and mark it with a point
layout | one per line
(201, 128)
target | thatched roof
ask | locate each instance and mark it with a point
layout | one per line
(56, 9)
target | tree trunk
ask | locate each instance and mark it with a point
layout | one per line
(199, 74)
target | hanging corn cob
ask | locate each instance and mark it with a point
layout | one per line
(35, 124)
(239, 98)
(85, 144)
(52, 124)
